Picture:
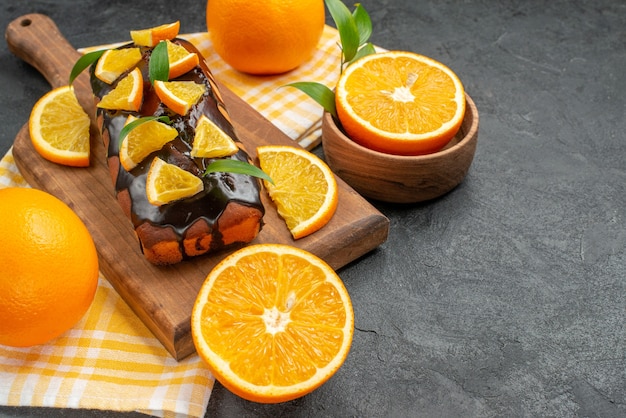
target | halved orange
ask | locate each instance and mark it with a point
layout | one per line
(127, 95)
(144, 140)
(180, 60)
(179, 96)
(114, 62)
(304, 190)
(210, 141)
(152, 36)
(59, 128)
(272, 322)
(167, 182)
(400, 103)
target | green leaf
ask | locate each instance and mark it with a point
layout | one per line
(83, 62)
(367, 49)
(238, 167)
(159, 66)
(363, 23)
(127, 128)
(318, 92)
(348, 31)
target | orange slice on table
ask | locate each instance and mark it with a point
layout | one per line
(179, 96)
(143, 140)
(115, 62)
(210, 141)
(400, 103)
(166, 183)
(127, 94)
(304, 190)
(272, 322)
(180, 60)
(59, 128)
(152, 36)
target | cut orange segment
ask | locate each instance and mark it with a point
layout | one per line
(180, 60)
(400, 103)
(59, 128)
(143, 140)
(152, 36)
(304, 190)
(272, 322)
(127, 95)
(179, 96)
(166, 183)
(210, 141)
(115, 62)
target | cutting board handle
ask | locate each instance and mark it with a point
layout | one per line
(36, 39)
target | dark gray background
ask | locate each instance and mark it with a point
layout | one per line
(505, 297)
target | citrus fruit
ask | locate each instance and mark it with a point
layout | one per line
(143, 140)
(49, 268)
(179, 96)
(400, 103)
(166, 183)
(59, 128)
(265, 37)
(115, 62)
(152, 36)
(127, 94)
(210, 141)
(304, 189)
(180, 60)
(272, 322)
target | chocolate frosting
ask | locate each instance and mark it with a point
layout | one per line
(219, 188)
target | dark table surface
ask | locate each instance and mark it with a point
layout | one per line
(505, 297)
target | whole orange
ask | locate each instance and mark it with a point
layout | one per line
(265, 37)
(49, 271)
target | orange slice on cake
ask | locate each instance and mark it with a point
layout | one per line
(179, 96)
(210, 141)
(152, 36)
(143, 140)
(115, 62)
(167, 182)
(127, 94)
(180, 60)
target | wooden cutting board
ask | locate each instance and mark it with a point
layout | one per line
(163, 296)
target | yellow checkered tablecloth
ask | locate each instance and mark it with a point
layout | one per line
(110, 360)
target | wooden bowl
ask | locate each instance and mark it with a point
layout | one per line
(399, 178)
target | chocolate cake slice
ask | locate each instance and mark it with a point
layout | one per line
(227, 212)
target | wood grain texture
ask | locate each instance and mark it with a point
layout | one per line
(163, 296)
